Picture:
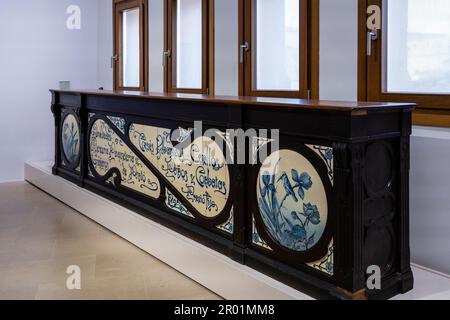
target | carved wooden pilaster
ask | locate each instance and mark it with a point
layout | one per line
(343, 229)
(359, 274)
(405, 164)
(56, 110)
(240, 202)
(348, 190)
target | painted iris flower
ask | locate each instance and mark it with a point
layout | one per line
(293, 229)
(71, 141)
(299, 233)
(311, 213)
(303, 182)
(267, 180)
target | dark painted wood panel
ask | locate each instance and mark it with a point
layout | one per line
(368, 198)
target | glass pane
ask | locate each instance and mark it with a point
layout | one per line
(277, 45)
(418, 46)
(189, 44)
(131, 52)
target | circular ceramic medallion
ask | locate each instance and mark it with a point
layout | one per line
(71, 139)
(292, 200)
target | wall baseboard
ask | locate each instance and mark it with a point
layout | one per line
(216, 272)
(11, 181)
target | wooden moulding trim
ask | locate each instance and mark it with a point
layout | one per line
(356, 108)
(359, 295)
(432, 118)
(314, 48)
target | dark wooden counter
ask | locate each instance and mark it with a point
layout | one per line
(315, 213)
(352, 107)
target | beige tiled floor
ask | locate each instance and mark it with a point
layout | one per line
(40, 237)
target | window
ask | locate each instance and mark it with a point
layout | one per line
(130, 45)
(186, 56)
(274, 47)
(410, 59)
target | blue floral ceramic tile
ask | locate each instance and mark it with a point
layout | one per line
(327, 156)
(256, 238)
(118, 122)
(229, 225)
(174, 204)
(71, 139)
(326, 264)
(292, 200)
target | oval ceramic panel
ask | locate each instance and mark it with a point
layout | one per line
(108, 151)
(292, 200)
(71, 139)
(198, 170)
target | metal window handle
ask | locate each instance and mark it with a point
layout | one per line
(166, 54)
(371, 36)
(242, 50)
(114, 58)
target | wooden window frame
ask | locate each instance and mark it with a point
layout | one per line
(309, 52)
(118, 7)
(207, 48)
(432, 109)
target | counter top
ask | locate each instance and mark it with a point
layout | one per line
(352, 107)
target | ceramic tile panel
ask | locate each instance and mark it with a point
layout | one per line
(198, 171)
(108, 151)
(292, 200)
(174, 204)
(327, 156)
(71, 139)
(326, 264)
(228, 226)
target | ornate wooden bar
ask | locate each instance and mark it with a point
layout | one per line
(315, 214)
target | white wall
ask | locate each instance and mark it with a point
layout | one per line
(338, 50)
(105, 45)
(37, 51)
(430, 198)
(156, 45)
(226, 47)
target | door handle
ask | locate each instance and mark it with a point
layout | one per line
(166, 54)
(371, 36)
(242, 50)
(114, 58)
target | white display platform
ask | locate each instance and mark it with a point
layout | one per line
(213, 270)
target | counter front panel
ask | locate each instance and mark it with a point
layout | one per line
(313, 204)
